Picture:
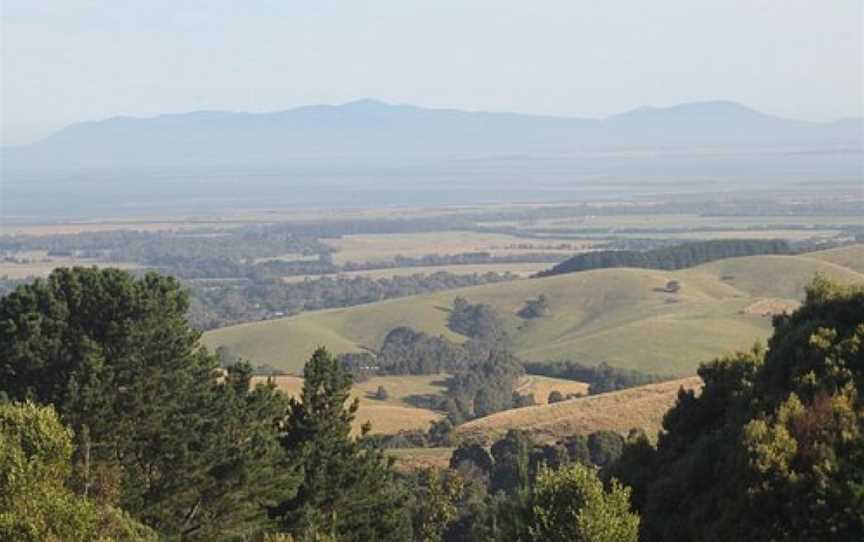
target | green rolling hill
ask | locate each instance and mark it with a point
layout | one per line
(619, 316)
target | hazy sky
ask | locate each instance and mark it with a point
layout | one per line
(65, 61)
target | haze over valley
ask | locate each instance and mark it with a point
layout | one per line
(487, 271)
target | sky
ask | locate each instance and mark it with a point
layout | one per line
(63, 62)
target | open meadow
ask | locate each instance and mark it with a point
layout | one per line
(641, 407)
(623, 317)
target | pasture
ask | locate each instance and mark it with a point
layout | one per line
(623, 317)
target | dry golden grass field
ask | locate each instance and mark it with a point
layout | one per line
(370, 248)
(398, 412)
(410, 459)
(642, 407)
(388, 416)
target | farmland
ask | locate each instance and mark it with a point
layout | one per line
(619, 316)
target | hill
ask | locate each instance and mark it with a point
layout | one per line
(642, 407)
(623, 317)
(400, 411)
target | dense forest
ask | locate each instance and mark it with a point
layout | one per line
(675, 257)
(116, 425)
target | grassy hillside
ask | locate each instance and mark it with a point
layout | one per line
(619, 316)
(641, 407)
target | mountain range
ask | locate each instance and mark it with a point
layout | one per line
(385, 148)
(370, 130)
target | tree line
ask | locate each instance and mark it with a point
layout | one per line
(601, 378)
(675, 257)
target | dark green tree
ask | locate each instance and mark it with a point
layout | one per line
(772, 447)
(347, 489)
(191, 451)
(473, 454)
(512, 455)
(555, 396)
(605, 447)
(381, 394)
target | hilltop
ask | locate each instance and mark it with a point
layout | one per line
(642, 407)
(623, 317)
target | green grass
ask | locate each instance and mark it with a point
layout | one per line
(617, 316)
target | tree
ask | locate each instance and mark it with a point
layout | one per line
(775, 439)
(347, 489)
(555, 396)
(471, 453)
(436, 504)
(605, 447)
(571, 505)
(192, 453)
(511, 473)
(381, 394)
(35, 504)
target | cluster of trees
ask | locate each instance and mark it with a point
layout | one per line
(173, 249)
(116, 425)
(518, 489)
(773, 446)
(477, 321)
(463, 258)
(406, 351)
(535, 308)
(600, 378)
(155, 430)
(675, 257)
(217, 304)
(483, 375)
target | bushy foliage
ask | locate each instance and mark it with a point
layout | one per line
(570, 504)
(772, 448)
(535, 308)
(35, 504)
(478, 321)
(406, 351)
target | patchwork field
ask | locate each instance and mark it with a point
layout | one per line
(623, 317)
(39, 264)
(370, 248)
(642, 407)
(400, 411)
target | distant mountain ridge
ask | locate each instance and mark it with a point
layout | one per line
(371, 129)
(371, 153)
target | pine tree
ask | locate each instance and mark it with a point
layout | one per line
(191, 452)
(347, 490)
